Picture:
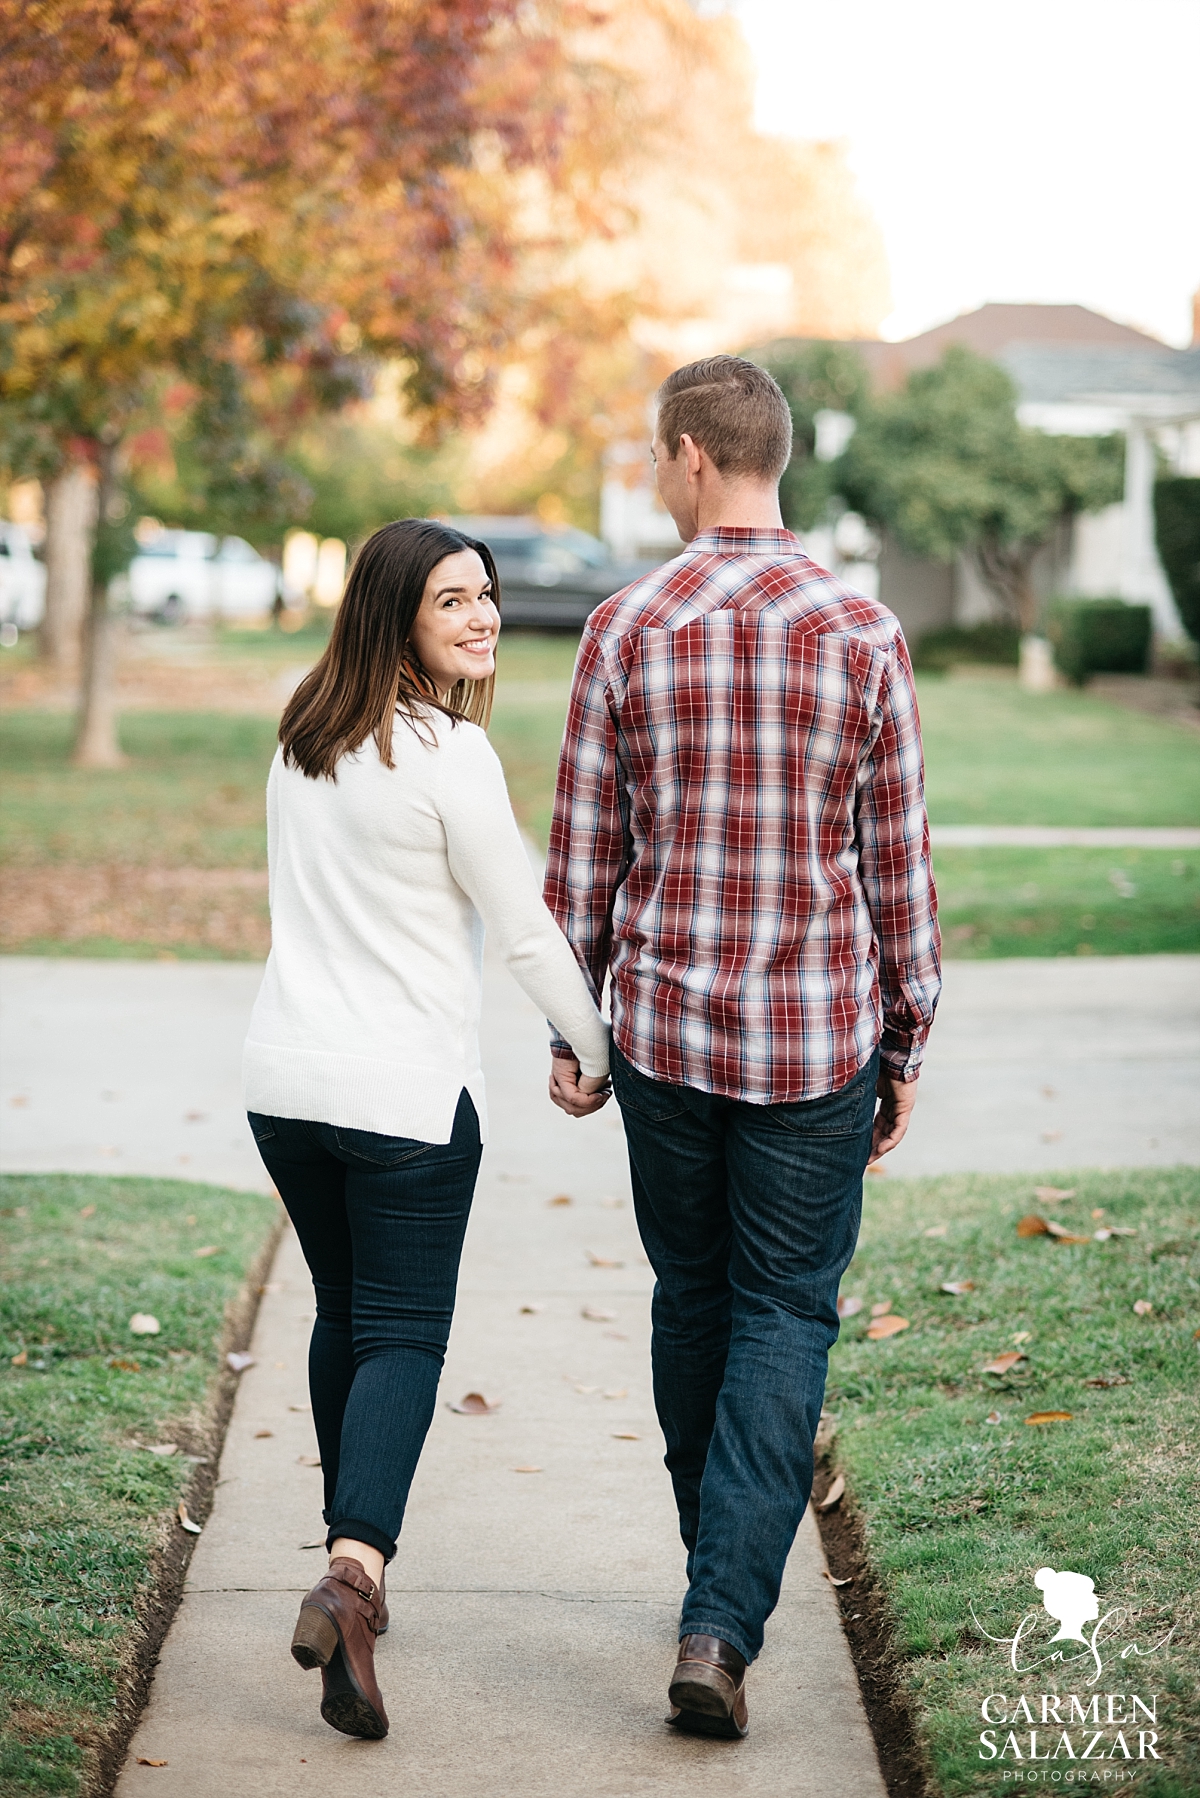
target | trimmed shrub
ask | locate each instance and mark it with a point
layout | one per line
(1177, 533)
(1098, 636)
(994, 642)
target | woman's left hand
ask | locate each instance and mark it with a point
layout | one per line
(579, 1095)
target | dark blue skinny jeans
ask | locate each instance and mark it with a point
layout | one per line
(381, 1221)
(749, 1215)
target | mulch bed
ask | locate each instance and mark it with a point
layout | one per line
(219, 910)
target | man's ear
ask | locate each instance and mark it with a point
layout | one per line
(693, 455)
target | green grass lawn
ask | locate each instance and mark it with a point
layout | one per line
(193, 798)
(962, 1501)
(87, 1516)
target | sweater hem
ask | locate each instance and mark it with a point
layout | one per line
(359, 1092)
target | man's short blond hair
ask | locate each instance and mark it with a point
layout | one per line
(732, 409)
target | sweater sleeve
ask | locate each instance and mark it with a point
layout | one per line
(488, 860)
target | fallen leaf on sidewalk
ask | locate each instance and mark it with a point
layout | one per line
(531, 1310)
(884, 1327)
(143, 1324)
(88, 1211)
(162, 1448)
(1050, 1417)
(308, 1460)
(882, 1308)
(1142, 1307)
(936, 1230)
(1108, 1379)
(1005, 1363)
(992, 1417)
(595, 1315)
(616, 1336)
(318, 1542)
(299, 1407)
(625, 1436)
(876, 1167)
(1048, 1194)
(834, 1494)
(527, 1470)
(613, 1204)
(181, 1511)
(560, 1198)
(473, 1404)
(587, 1388)
(271, 1286)
(1051, 1135)
(210, 1248)
(238, 1362)
(837, 1582)
(1060, 1232)
(260, 1434)
(601, 1260)
(957, 1287)
(144, 1761)
(21, 1359)
(618, 1392)
(849, 1307)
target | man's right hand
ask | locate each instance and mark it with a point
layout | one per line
(579, 1095)
(897, 1098)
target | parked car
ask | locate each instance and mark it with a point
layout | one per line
(549, 577)
(193, 574)
(22, 581)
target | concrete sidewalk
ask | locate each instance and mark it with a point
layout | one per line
(534, 1612)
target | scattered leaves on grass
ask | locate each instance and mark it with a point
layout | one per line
(1048, 1194)
(531, 1310)
(161, 1448)
(1031, 1225)
(210, 1248)
(527, 1470)
(834, 1493)
(625, 1436)
(936, 1230)
(21, 1359)
(474, 1404)
(560, 1198)
(956, 1288)
(1020, 1336)
(238, 1362)
(1142, 1307)
(882, 1308)
(1005, 1363)
(1049, 1417)
(1107, 1379)
(595, 1314)
(837, 1582)
(1109, 1230)
(992, 1417)
(261, 1435)
(849, 1307)
(601, 1260)
(143, 1324)
(308, 1460)
(885, 1326)
(181, 1511)
(88, 1211)
(121, 1365)
(1060, 1233)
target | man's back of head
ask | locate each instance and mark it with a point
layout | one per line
(732, 409)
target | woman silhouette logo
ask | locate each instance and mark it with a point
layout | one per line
(1070, 1598)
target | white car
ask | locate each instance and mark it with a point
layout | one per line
(22, 581)
(193, 574)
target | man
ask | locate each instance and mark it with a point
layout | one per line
(740, 840)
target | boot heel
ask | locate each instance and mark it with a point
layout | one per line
(315, 1639)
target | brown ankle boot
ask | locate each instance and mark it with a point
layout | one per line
(336, 1631)
(708, 1689)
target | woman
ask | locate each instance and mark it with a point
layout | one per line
(391, 845)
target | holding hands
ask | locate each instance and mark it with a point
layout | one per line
(579, 1095)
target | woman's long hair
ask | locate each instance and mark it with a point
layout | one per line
(370, 666)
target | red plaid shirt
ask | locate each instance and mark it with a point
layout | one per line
(739, 830)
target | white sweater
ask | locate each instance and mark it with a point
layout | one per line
(382, 883)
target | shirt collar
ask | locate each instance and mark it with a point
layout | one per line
(743, 540)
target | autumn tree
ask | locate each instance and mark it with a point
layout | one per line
(948, 468)
(256, 197)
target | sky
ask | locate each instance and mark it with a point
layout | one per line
(1042, 150)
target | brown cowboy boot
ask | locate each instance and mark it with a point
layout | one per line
(708, 1689)
(336, 1631)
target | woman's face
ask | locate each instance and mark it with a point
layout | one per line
(455, 631)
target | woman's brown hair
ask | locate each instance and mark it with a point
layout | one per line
(370, 667)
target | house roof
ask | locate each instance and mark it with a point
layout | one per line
(993, 329)
(1047, 373)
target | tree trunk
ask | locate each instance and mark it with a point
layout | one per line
(70, 517)
(96, 744)
(1007, 568)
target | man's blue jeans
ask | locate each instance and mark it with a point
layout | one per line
(749, 1215)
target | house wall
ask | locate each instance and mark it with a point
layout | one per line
(919, 592)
